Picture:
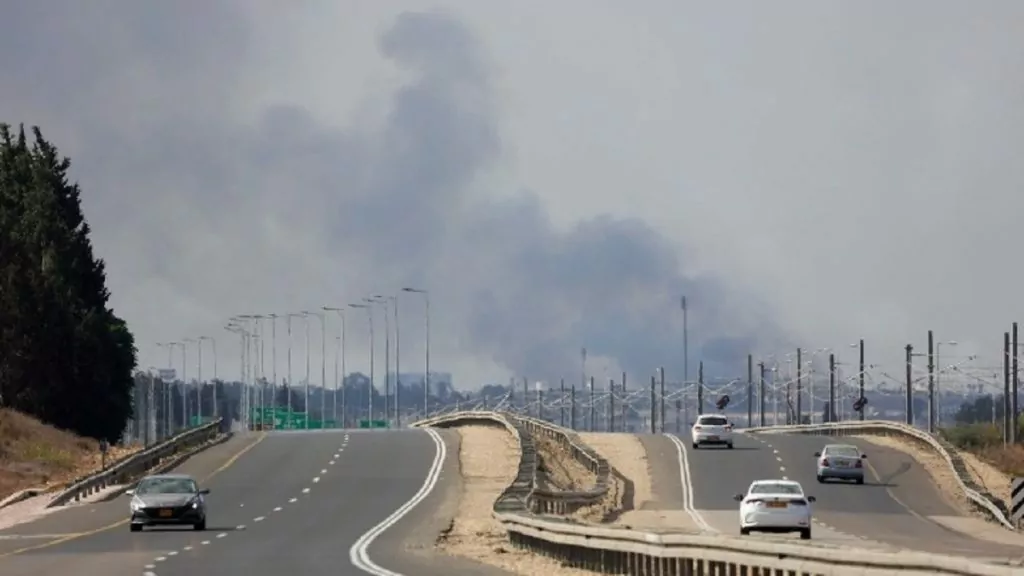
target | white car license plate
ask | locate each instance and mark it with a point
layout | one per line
(712, 437)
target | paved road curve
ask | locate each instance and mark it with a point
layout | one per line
(324, 502)
(898, 506)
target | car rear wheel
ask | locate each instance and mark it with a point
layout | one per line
(696, 445)
(821, 479)
(744, 531)
(860, 480)
(805, 534)
(199, 526)
(135, 527)
(730, 445)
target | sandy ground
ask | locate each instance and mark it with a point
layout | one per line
(488, 459)
(988, 476)
(627, 454)
(35, 507)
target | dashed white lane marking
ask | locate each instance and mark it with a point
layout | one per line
(160, 558)
(331, 463)
(149, 566)
(305, 490)
(148, 574)
(336, 456)
(324, 471)
(172, 553)
(293, 500)
(222, 534)
(240, 527)
(315, 480)
(205, 542)
(259, 519)
(277, 509)
(187, 548)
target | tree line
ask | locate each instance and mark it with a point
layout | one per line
(65, 356)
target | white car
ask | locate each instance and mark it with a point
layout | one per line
(711, 429)
(775, 506)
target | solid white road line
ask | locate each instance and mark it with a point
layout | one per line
(359, 554)
(687, 482)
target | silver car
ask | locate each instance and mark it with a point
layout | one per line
(168, 499)
(840, 461)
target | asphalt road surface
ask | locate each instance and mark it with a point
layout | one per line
(894, 509)
(322, 502)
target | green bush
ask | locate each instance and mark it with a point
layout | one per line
(973, 436)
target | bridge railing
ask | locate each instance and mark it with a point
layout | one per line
(138, 464)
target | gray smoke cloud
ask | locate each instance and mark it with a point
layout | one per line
(207, 204)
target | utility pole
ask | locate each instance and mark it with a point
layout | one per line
(864, 406)
(760, 394)
(611, 405)
(799, 386)
(273, 364)
(750, 390)
(654, 408)
(572, 408)
(700, 388)
(1016, 381)
(661, 376)
(590, 424)
(910, 384)
(1007, 417)
(831, 387)
(561, 403)
(931, 383)
(686, 345)
(625, 405)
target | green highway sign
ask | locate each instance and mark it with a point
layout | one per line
(373, 423)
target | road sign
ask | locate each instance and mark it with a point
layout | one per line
(167, 374)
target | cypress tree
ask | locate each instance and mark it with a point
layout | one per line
(65, 357)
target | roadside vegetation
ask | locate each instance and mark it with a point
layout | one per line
(978, 430)
(66, 359)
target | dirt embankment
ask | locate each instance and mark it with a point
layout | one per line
(488, 462)
(34, 454)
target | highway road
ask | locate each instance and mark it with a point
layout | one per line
(898, 506)
(319, 502)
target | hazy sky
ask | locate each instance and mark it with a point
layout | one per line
(557, 174)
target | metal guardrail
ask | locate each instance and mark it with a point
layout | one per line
(613, 550)
(982, 499)
(131, 467)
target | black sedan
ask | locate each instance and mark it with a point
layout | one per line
(168, 499)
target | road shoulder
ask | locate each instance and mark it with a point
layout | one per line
(88, 517)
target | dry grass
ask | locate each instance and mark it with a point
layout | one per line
(34, 454)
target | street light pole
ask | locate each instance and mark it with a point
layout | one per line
(184, 384)
(323, 364)
(340, 354)
(273, 363)
(426, 371)
(305, 405)
(369, 315)
(213, 342)
(383, 301)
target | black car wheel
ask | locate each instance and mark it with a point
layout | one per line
(199, 526)
(135, 527)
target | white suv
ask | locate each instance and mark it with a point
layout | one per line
(711, 429)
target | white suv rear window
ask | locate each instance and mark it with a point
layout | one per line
(712, 421)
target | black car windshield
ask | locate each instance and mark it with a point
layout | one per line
(843, 451)
(775, 488)
(712, 421)
(167, 486)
